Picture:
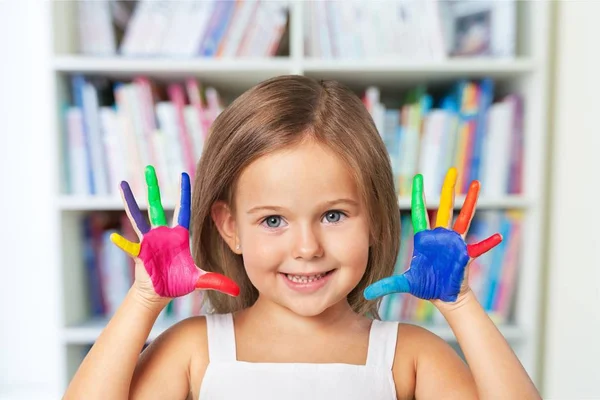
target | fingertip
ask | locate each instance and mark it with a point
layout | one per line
(452, 174)
(185, 181)
(475, 185)
(114, 237)
(418, 179)
(218, 282)
(150, 174)
(369, 295)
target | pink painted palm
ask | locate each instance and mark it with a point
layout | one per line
(165, 251)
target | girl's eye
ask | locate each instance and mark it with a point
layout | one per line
(273, 221)
(334, 216)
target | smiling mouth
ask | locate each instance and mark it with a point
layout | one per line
(307, 278)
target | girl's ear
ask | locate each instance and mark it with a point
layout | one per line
(225, 222)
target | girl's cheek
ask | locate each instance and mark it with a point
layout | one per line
(262, 252)
(350, 248)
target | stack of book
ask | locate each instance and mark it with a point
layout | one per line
(183, 28)
(114, 129)
(412, 30)
(468, 128)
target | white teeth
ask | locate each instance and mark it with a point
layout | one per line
(304, 278)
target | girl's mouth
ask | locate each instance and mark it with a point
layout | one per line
(307, 283)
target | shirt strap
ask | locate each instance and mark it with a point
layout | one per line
(221, 337)
(382, 343)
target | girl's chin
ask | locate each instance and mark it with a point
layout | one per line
(307, 311)
(315, 307)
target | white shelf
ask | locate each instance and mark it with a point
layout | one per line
(242, 73)
(93, 203)
(395, 72)
(87, 332)
(226, 73)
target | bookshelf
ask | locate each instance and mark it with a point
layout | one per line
(526, 74)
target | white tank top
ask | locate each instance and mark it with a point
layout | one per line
(229, 379)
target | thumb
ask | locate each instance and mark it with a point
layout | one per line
(218, 282)
(389, 285)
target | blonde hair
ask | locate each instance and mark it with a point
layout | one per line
(273, 115)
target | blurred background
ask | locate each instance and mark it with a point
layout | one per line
(505, 90)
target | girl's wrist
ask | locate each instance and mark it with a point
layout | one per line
(464, 298)
(154, 304)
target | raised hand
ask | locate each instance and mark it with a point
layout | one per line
(440, 256)
(164, 251)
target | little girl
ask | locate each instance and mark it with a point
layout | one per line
(295, 232)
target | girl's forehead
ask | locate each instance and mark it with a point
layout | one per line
(307, 170)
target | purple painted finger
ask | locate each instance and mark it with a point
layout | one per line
(134, 209)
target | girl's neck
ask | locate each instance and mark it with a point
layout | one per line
(283, 319)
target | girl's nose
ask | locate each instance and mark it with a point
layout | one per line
(307, 244)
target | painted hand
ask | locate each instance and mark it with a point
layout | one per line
(165, 251)
(440, 257)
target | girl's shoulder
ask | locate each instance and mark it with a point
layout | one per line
(192, 337)
(190, 334)
(422, 353)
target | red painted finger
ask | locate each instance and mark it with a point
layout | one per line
(214, 281)
(477, 249)
(468, 209)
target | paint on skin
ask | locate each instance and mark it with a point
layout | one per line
(477, 249)
(446, 199)
(183, 218)
(468, 209)
(133, 249)
(164, 251)
(166, 255)
(134, 209)
(157, 213)
(211, 280)
(419, 213)
(391, 284)
(435, 274)
(436, 270)
(440, 256)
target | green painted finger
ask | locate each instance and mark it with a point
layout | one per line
(157, 213)
(418, 211)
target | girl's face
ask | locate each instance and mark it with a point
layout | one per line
(302, 227)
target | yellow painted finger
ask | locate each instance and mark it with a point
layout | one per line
(133, 249)
(444, 213)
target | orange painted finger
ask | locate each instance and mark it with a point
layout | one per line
(461, 226)
(477, 249)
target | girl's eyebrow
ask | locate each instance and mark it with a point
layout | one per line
(278, 209)
(254, 210)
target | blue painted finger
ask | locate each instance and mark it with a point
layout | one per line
(183, 218)
(389, 285)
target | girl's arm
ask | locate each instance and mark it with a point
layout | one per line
(164, 269)
(496, 369)
(439, 272)
(107, 370)
(493, 370)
